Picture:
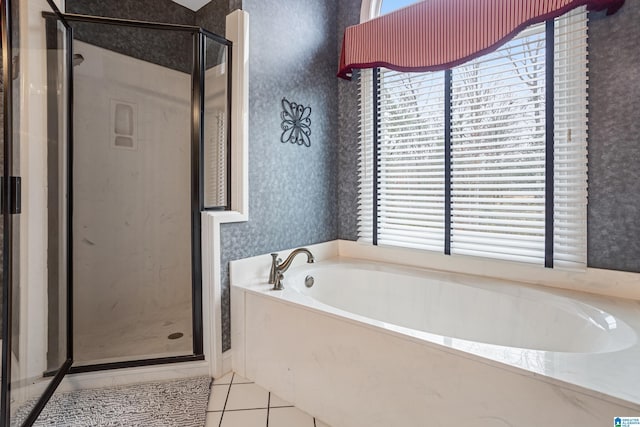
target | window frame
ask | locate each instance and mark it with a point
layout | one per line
(370, 9)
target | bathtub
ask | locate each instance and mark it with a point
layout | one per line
(375, 344)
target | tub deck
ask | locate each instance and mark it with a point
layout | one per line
(327, 361)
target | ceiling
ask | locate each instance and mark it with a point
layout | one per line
(192, 4)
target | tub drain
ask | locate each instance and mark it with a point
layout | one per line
(175, 335)
(309, 281)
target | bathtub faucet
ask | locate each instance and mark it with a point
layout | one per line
(278, 267)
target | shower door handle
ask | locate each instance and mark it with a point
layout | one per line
(15, 195)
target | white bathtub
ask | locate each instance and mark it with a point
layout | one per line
(373, 344)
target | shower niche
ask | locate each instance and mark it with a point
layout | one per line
(125, 143)
(123, 124)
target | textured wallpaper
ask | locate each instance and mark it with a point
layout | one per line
(142, 10)
(349, 120)
(614, 140)
(172, 49)
(293, 189)
(213, 16)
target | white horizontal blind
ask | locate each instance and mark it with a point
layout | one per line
(570, 145)
(411, 160)
(365, 163)
(215, 160)
(498, 152)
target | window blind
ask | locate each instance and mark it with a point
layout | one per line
(411, 159)
(497, 161)
(215, 160)
(498, 152)
(365, 163)
(570, 149)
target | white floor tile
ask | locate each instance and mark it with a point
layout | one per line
(237, 379)
(226, 379)
(247, 396)
(246, 405)
(213, 419)
(289, 417)
(252, 418)
(275, 402)
(218, 397)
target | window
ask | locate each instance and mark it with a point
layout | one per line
(486, 159)
(391, 5)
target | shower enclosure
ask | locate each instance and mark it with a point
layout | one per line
(115, 138)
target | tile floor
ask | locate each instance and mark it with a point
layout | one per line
(238, 402)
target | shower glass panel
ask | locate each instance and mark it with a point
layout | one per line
(216, 142)
(34, 256)
(132, 198)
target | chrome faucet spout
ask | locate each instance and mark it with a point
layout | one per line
(287, 262)
(278, 267)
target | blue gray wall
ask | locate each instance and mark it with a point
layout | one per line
(170, 49)
(167, 48)
(213, 16)
(614, 140)
(348, 122)
(293, 197)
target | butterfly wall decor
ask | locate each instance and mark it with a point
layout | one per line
(296, 123)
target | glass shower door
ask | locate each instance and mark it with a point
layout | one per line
(132, 194)
(36, 67)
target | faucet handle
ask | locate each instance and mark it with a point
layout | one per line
(277, 284)
(275, 262)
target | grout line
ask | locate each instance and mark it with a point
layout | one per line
(234, 376)
(268, 408)
(243, 409)
(226, 399)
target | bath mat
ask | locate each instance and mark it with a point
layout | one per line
(179, 403)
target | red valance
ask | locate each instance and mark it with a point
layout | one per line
(435, 35)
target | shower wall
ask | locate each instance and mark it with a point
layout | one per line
(213, 15)
(131, 196)
(165, 48)
(161, 50)
(141, 10)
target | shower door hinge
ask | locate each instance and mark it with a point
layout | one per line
(15, 195)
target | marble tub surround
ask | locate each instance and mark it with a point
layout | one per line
(335, 364)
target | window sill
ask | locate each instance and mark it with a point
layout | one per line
(613, 283)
